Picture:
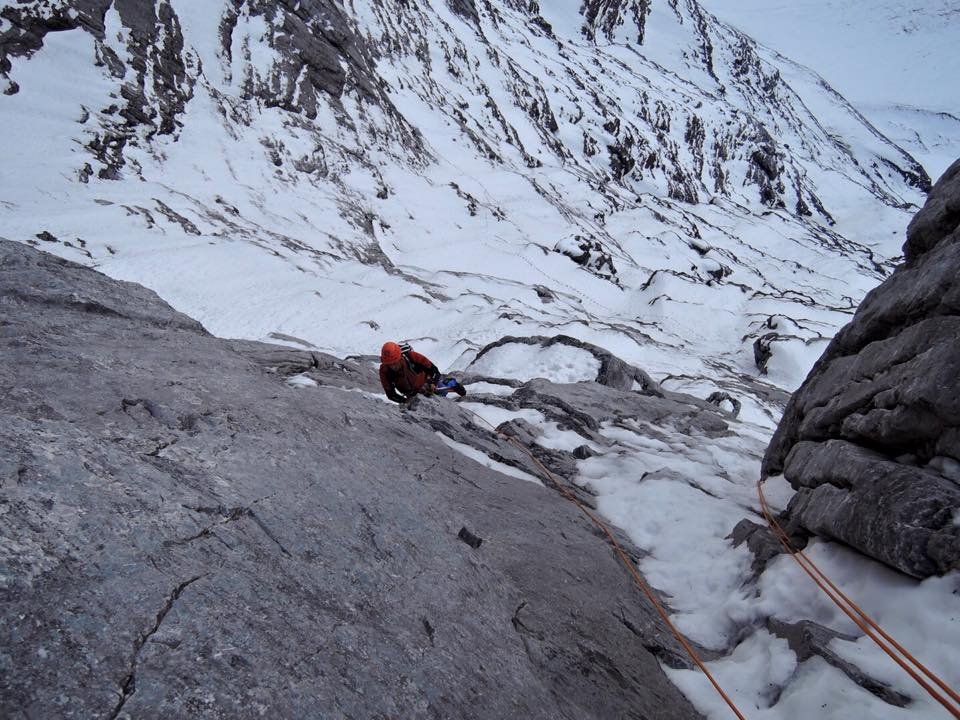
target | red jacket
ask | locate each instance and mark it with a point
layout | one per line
(415, 371)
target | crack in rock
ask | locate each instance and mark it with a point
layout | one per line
(228, 515)
(129, 685)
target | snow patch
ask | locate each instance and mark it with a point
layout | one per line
(498, 415)
(302, 380)
(486, 461)
(550, 435)
(557, 363)
(791, 361)
(753, 674)
(777, 492)
(491, 388)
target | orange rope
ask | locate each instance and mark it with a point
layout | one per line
(830, 589)
(859, 617)
(624, 558)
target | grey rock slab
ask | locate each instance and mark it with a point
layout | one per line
(184, 534)
(585, 406)
(904, 514)
(322, 368)
(939, 217)
(461, 425)
(761, 542)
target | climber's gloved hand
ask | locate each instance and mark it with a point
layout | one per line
(428, 389)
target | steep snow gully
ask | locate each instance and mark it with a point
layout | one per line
(630, 231)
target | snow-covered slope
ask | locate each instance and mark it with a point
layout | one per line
(896, 61)
(409, 170)
(783, 650)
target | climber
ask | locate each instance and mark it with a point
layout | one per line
(404, 373)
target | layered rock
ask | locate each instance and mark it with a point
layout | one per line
(185, 533)
(871, 441)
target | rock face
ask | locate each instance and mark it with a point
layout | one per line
(872, 438)
(186, 534)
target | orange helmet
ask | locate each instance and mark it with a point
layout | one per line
(390, 353)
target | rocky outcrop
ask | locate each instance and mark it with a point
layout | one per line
(808, 639)
(583, 408)
(318, 55)
(613, 371)
(155, 82)
(184, 533)
(590, 254)
(606, 17)
(871, 441)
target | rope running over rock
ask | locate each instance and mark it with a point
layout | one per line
(895, 650)
(624, 558)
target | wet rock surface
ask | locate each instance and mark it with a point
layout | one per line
(871, 441)
(186, 534)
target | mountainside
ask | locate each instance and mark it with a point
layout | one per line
(895, 61)
(414, 170)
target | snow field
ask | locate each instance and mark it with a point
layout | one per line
(896, 60)
(678, 501)
(465, 279)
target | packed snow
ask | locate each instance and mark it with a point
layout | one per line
(549, 433)
(487, 461)
(679, 500)
(301, 381)
(557, 363)
(491, 388)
